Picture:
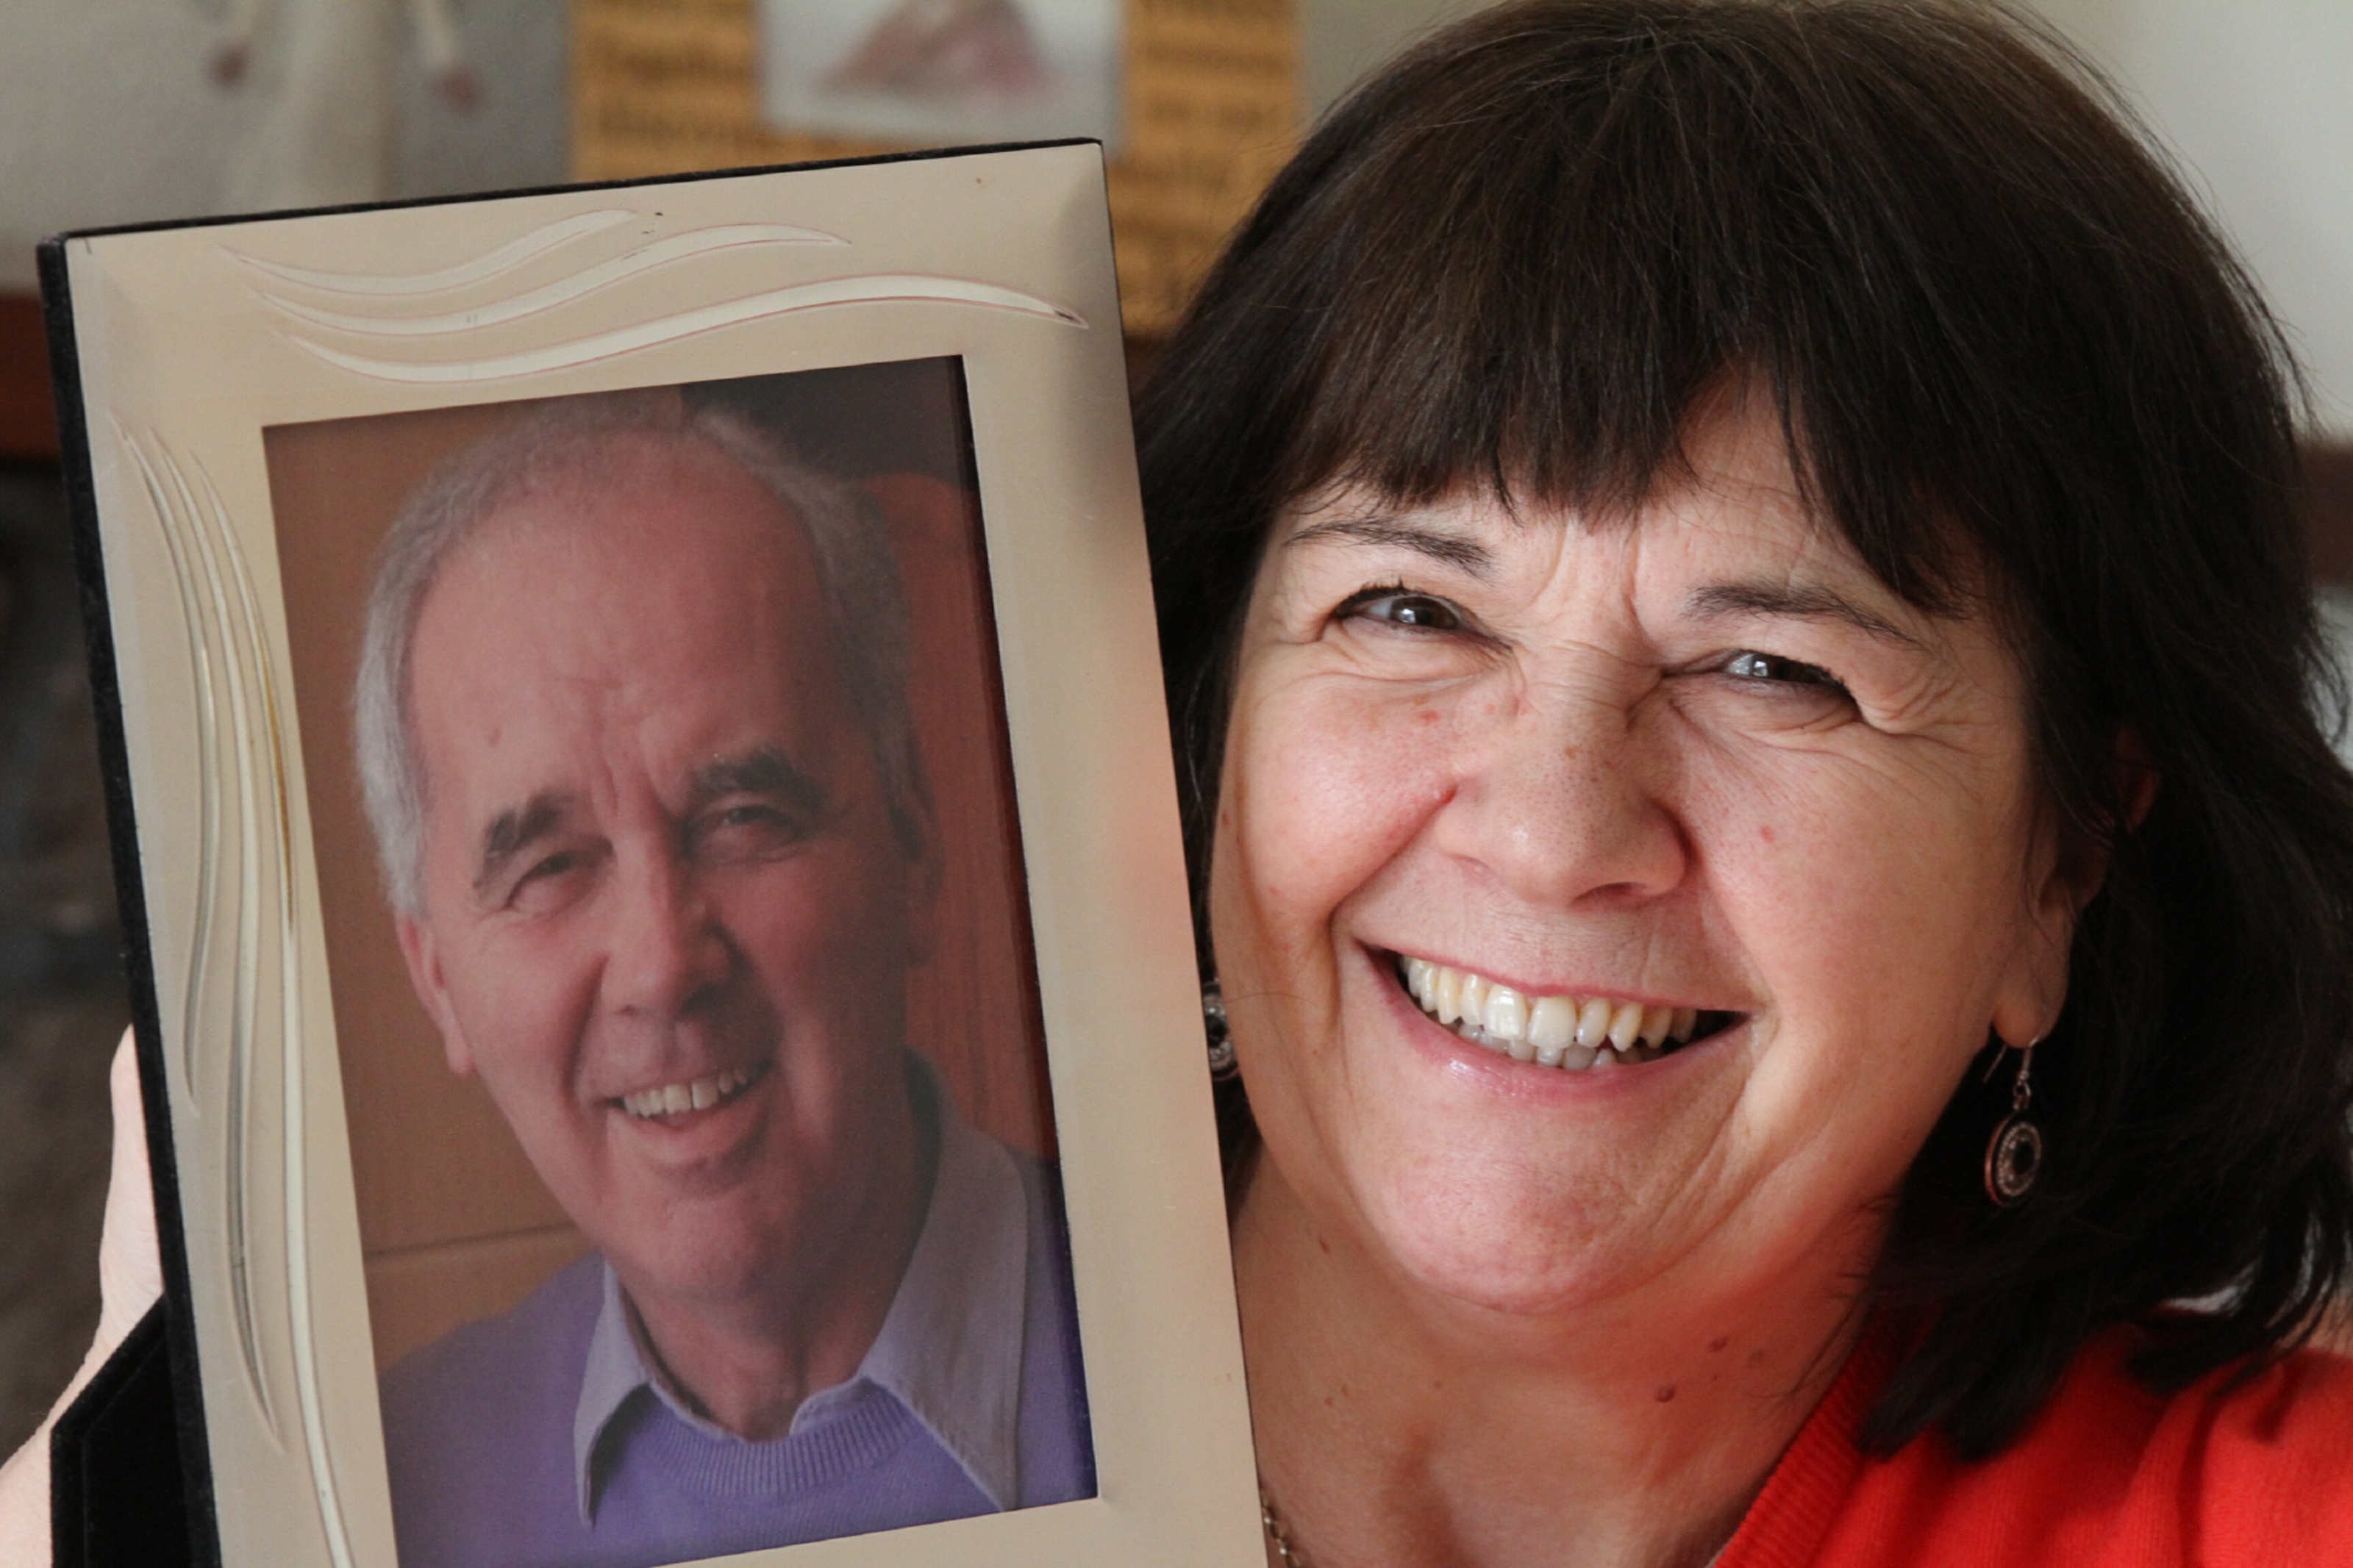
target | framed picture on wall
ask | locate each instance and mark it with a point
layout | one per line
(942, 69)
(661, 961)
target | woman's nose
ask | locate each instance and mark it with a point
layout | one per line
(665, 945)
(1558, 799)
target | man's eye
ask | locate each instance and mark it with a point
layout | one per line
(1418, 611)
(555, 865)
(1750, 665)
(751, 829)
(543, 885)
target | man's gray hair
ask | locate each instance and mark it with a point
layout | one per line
(560, 444)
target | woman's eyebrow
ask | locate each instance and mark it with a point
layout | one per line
(1452, 549)
(1807, 602)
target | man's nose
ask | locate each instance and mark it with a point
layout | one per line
(666, 947)
(1558, 799)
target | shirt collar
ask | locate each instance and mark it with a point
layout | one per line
(950, 1349)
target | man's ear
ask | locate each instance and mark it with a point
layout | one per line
(417, 946)
(924, 873)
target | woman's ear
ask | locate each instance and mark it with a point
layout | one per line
(2135, 775)
(2081, 869)
(2036, 989)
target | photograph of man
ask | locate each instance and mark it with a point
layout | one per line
(633, 734)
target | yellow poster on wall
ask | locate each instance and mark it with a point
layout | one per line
(1205, 110)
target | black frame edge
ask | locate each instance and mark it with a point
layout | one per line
(129, 892)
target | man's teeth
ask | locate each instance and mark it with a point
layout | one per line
(695, 1094)
(1567, 1032)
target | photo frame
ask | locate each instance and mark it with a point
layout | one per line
(253, 409)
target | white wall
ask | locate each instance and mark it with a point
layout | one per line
(2254, 99)
(1342, 41)
(107, 113)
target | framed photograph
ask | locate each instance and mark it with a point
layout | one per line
(942, 70)
(643, 809)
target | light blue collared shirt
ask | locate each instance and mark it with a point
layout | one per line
(950, 1347)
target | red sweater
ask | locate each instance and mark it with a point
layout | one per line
(2108, 1475)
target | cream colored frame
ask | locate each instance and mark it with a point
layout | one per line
(190, 340)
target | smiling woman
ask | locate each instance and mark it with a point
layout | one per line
(1745, 683)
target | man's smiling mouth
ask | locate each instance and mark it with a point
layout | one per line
(1571, 1033)
(704, 1093)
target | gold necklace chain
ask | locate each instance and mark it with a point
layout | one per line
(1274, 1531)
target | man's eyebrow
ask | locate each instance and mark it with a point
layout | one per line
(763, 770)
(1452, 549)
(513, 830)
(1805, 601)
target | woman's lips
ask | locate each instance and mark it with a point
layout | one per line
(1569, 1033)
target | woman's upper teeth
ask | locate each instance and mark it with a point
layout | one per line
(1551, 1031)
(693, 1094)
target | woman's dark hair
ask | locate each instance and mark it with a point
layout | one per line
(2001, 341)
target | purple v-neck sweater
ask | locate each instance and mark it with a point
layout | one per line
(498, 1462)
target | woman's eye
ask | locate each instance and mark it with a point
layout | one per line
(1750, 665)
(1417, 612)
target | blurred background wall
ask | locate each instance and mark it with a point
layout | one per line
(112, 112)
(2252, 98)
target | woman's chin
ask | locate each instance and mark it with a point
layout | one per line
(1517, 1253)
(1557, 1284)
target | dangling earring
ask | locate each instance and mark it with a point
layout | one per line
(2014, 1154)
(1222, 1065)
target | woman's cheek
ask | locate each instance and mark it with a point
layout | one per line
(1850, 887)
(1337, 780)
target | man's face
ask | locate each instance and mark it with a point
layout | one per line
(664, 913)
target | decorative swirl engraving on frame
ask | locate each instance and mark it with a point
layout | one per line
(207, 677)
(204, 605)
(869, 288)
(505, 259)
(294, 1118)
(235, 669)
(381, 317)
(563, 290)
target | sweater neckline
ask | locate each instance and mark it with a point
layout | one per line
(1785, 1527)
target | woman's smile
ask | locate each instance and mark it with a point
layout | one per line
(1572, 1031)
